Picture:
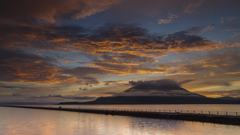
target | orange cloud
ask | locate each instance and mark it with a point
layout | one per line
(169, 20)
(230, 93)
(19, 66)
(233, 72)
(68, 60)
(23, 71)
(126, 69)
(112, 82)
(114, 39)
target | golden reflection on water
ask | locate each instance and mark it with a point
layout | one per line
(20, 121)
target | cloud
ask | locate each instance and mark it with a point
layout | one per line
(132, 10)
(230, 18)
(85, 88)
(186, 81)
(221, 62)
(126, 69)
(191, 8)
(43, 36)
(87, 80)
(163, 87)
(121, 48)
(238, 72)
(52, 10)
(169, 20)
(111, 82)
(51, 97)
(111, 38)
(68, 60)
(184, 41)
(196, 30)
(20, 66)
(12, 87)
(122, 40)
(82, 71)
(16, 95)
(162, 82)
(125, 59)
(223, 93)
(229, 26)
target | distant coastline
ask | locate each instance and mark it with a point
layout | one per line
(154, 100)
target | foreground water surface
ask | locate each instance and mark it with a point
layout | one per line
(19, 121)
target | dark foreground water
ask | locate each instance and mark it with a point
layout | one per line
(21, 121)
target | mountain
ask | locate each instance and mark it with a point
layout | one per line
(157, 100)
(157, 92)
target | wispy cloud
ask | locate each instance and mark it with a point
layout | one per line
(230, 18)
(168, 20)
(191, 8)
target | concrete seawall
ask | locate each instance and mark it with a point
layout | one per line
(219, 119)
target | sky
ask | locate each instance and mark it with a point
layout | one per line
(79, 50)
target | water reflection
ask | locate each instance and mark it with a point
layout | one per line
(17, 121)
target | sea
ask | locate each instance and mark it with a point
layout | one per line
(25, 121)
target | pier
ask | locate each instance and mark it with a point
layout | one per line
(218, 118)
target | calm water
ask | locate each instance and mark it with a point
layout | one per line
(21, 121)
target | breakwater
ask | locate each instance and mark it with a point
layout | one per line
(211, 118)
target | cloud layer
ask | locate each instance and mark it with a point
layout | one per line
(163, 87)
(52, 10)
